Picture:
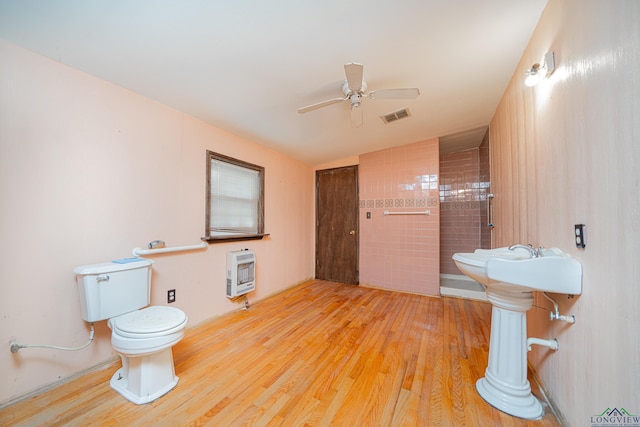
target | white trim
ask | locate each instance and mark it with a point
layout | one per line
(463, 293)
(456, 277)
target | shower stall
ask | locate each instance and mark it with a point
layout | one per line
(465, 225)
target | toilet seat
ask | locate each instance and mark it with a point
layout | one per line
(150, 322)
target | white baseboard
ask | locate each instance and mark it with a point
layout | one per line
(463, 293)
(456, 277)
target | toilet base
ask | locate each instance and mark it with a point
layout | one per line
(144, 379)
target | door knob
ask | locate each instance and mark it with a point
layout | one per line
(352, 232)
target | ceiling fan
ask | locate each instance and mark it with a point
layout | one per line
(354, 90)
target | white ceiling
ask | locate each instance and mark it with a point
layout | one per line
(247, 65)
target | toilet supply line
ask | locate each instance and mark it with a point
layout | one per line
(555, 314)
(139, 251)
(552, 344)
(15, 347)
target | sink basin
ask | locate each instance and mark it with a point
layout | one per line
(474, 265)
(510, 278)
(555, 271)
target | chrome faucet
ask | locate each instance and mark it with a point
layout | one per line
(533, 252)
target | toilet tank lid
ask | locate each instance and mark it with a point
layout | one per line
(112, 266)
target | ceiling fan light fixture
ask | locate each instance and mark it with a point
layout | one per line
(354, 89)
(349, 91)
(355, 100)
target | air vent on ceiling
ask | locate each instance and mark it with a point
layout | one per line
(396, 115)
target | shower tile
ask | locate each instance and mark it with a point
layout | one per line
(403, 177)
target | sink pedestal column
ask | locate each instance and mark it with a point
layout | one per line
(505, 385)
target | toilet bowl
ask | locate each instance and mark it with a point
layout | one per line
(148, 330)
(143, 339)
(119, 291)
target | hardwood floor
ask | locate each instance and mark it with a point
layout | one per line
(319, 354)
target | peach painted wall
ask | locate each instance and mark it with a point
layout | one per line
(567, 152)
(400, 252)
(88, 171)
(348, 161)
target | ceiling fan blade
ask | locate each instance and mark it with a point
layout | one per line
(408, 93)
(356, 115)
(320, 105)
(353, 71)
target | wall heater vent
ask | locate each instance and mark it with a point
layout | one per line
(241, 272)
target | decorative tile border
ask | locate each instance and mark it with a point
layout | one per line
(461, 205)
(419, 202)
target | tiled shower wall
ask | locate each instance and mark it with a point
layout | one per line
(400, 252)
(464, 185)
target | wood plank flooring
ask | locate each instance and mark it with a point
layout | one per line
(319, 354)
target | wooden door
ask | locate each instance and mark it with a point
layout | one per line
(337, 224)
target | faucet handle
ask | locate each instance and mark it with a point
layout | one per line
(533, 253)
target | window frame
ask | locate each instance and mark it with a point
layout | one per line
(213, 156)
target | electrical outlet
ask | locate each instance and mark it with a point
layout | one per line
(171, 296)
(580, 235)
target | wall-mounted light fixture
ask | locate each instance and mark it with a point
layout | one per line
(540, 71)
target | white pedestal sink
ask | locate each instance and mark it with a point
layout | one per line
(510, 278)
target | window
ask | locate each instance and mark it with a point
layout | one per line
(235, 199)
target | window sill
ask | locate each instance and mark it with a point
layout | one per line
(234, 238)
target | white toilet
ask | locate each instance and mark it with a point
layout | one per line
(143, 337)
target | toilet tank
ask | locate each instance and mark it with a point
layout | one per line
(110, 289)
